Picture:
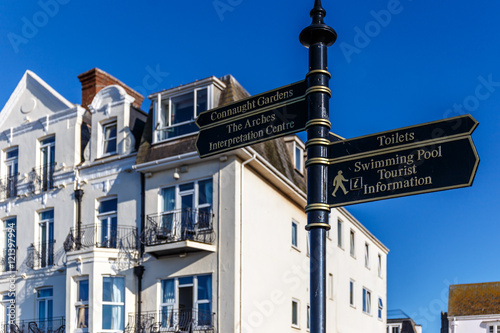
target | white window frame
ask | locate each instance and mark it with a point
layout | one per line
(391, 327)
(298, 149)
(379, 268)
(10, 163)
(45, 299)
(352, 243)
(114, 303)
(157, 111)
(380, 306)
(367, 301)
(177, 285)
(108, 217)
(82, 304)
(103, 139)
(295, 226)
(7, 230)
(49, 236)
(340, 233)
(352, 293)
(297, 315)
(367, 255)
(178, 194)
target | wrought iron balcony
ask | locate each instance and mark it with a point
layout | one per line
(41, 179)
(8, 261)
(179, 321)
(41, 255)
(51, 325)
(179, 225)
(179, 231)
(8, 187)
(102, 236)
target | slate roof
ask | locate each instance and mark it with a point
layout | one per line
(408, 326)
(474, 299)
(274, 151)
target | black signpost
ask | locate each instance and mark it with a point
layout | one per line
(418, 159)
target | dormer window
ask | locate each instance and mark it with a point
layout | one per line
(298, 153)
(175, 115)
(109, 139)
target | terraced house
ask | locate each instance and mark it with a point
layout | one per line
(118, 225)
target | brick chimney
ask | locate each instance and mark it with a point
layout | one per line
(96, 79)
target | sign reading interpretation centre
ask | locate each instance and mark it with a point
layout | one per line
(266, 116)
(419, 159)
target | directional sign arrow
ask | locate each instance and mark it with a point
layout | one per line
(253, 128)
(437, 130)
(274, 98)
(403, 171)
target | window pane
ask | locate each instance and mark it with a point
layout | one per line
(205, 192)
(82, 317)
(201, 101)
(113, 317)
(205, 287)
(51, 139)
(295, 315)
(339, 233)
(204, 314)
(113, 289)
(168, 292)
(186, 187)
(294, 234)
(182, 108)
(298, 158)
(12, 153)
(47, 215)
(168, 195)
(186, 280)
(44, 292)
(106, 206)
(83, 291)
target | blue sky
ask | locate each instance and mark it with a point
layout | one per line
(395, 64)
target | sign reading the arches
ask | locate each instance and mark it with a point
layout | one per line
(431, 166)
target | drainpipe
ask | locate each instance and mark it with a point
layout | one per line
(78, 199)
(139, 271)
(143, 213)
(241, 229)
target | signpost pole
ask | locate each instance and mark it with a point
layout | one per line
(317, 37)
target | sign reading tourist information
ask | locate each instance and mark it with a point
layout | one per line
(258, 118)
(408, 161)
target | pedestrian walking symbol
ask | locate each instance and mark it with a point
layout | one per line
(338, 181)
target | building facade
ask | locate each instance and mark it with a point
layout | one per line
(118, 225)
(474, 308)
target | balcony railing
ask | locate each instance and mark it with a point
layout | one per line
(102, 236)
(41, 255)
(52, 325)
(179, 225)
(8, 187)
(192, 321)
(8, 261)
(41, 179)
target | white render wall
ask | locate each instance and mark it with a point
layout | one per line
(472, 324)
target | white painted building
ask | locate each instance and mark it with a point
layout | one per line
(473, 308)
(105, 201)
